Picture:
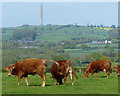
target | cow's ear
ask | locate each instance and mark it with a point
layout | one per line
(6, 68)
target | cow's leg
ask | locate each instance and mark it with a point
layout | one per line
(59, 80)
(44, 79)
(54, 81)
(92, 74)
(96, 74)
(26, 79)
(65, 80)
(41, 71)
(108, 73)
(19, 78)
(71, 77)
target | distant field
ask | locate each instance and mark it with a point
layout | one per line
(56, 33)
(100, 85)
(103, 28)
(98, 48)
(69, 50)
(71, 32)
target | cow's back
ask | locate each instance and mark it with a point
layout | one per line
(54, 68)
(29, 65)
(63, 64)
(101, 64)
(118, 68)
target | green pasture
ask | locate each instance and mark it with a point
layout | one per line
(95, 85)
(57, 32)
(80, 52)
(94, 48)
(72, 32)
(72, 50)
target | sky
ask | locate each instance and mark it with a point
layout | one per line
(60, 13)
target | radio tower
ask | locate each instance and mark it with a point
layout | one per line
(41, 15)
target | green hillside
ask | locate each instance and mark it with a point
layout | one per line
(55, 33)
(58, 42)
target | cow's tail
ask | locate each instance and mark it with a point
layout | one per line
(54, 62)
(110, 66)
(75, 74)
(72, 70)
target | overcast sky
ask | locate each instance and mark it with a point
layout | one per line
(82, 13)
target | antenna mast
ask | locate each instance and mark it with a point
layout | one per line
(41, 15)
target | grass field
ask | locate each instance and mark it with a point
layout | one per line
(100, 85)
(56, 33)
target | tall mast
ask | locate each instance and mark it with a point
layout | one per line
(41, 15)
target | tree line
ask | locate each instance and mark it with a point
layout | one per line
(24, 34)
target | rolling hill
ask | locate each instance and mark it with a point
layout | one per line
(56, 42)
(55, 33)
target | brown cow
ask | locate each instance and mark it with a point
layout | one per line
(27, 67)
(117, 69)
(98, 65)
(65, 69)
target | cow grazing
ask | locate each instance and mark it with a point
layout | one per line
(98, 65)
(65, 69)
(117, 69)
(27, 67)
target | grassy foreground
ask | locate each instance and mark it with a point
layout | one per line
(100, 85)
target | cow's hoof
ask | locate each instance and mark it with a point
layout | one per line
(43, 85)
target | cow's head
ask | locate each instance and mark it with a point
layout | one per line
(10, 69)
(117, 72)
(86, 73)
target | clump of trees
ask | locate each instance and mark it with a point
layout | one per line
(24, 34)
(60, 56)
(102, 26)
(107, 54)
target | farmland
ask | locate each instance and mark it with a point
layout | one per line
(100, 85)
(60, 42)
(57, 42)
(55, 33)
